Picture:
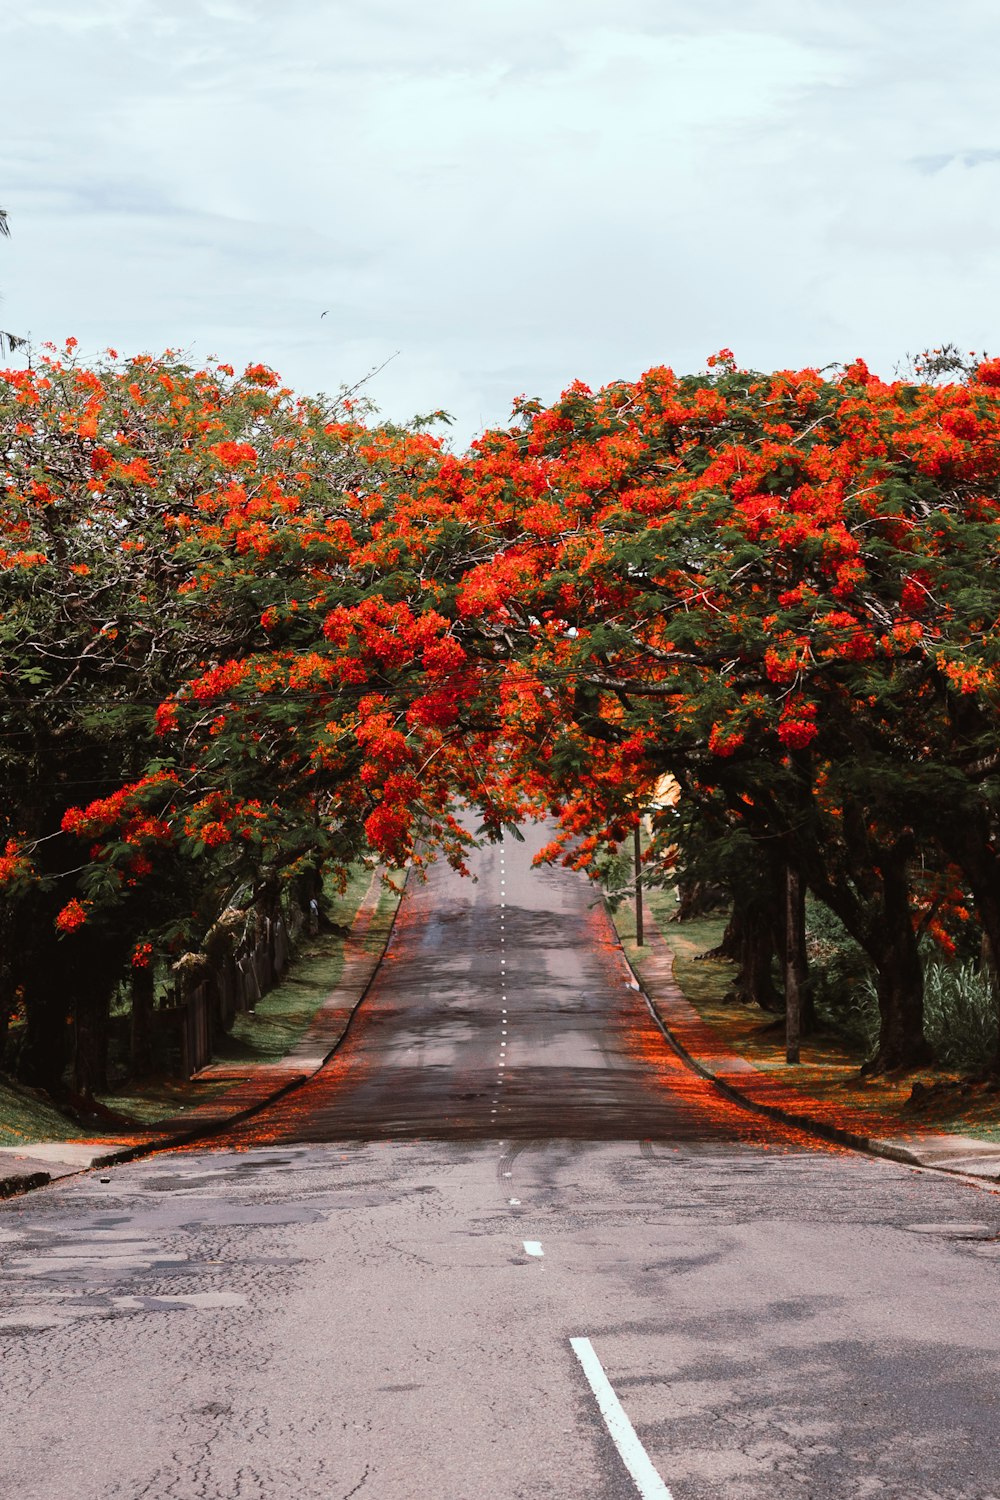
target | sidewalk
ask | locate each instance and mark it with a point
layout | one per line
(706, 1048)
(253, 1086)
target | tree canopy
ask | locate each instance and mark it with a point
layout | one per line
(245, 636)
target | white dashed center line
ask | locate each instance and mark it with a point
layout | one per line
(634, 1456)
(495, 1103)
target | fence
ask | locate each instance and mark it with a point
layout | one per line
(231, 988)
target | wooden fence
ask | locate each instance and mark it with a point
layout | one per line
(231, 988)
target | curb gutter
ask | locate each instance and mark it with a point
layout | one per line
(16, 1183)
(956, 1155)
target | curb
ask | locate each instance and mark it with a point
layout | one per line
(838, 1135)
(17, 1184)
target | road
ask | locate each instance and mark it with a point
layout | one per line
(372, 1290)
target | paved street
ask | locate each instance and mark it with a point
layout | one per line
(371, 1290)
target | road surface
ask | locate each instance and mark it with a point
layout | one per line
(408, 1280)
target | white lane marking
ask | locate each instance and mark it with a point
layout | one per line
(634, 1456)
(533, 1247)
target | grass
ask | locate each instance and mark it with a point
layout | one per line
(830, 1064)
(704, 981)
(281, 1017)
(26, 1116)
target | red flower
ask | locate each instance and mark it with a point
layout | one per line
(141, 955)
(232, 455)
(988, 373)
(724, 741)
(72, 916)
(797, 728)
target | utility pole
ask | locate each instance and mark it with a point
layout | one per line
(637, 853)
(793, 967)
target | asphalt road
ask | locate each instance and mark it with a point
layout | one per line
(348, 1299)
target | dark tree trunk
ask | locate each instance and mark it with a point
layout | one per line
(45, 1051)
(756, 977)
(754, 982)
(731, 945)
(695, 898)
(141, 1029)
(8, 1001)
(892, 946)
(795, 959)
(90, 1031)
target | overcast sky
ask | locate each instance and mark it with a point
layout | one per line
(509, 193)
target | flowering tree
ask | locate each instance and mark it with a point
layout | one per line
(219, 669)
(783, 590)
(244, 636)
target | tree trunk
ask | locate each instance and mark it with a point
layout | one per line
(794, 956)
(640, 934)
(141, 1030)
(754, 984)
(8, 1002)
(695, 898)
(892, 946)
(44, 1053)
(90, 1052)
(795, 968)
(731, 945)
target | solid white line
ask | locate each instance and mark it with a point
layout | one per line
(634, 1456)
(533, 1247)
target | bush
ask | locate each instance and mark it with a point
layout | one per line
(960, 1014)
(842, 978)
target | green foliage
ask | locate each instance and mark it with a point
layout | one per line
(841, 977)
(616, 873)
(960, 1012)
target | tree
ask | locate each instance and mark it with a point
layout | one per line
(770, 586)
(222, 667)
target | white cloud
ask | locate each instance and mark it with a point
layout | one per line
(510, 194)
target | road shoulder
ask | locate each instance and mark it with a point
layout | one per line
(867, 1116)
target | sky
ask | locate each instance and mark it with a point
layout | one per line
(501, 198)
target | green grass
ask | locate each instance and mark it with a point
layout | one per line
(957, 1000)
(26, 1117)
(283, 1015)
(281, 1018)
(702, 980)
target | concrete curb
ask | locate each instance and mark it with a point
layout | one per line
(912, 1153)
(16, 1184)
(20, 1182)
